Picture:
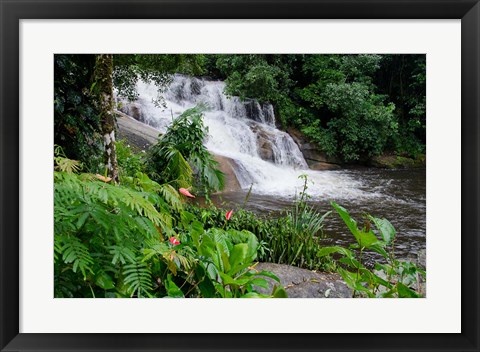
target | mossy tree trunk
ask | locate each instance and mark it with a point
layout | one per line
(104, 87)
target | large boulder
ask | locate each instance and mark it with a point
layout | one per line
(264, 143)
(320, 166)
(227, 166)
(397, 162)
(138, 135)
(134, 110)
(303, 283)
(265, 149)
(314, 156)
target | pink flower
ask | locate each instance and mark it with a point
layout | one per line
(228, 215)
(186, 193)
(174, 241)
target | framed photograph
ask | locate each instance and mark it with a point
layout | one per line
(351, 46)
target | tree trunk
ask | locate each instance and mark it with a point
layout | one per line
(103, 79)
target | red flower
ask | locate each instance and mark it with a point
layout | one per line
(174, 241)
(186, 193)
(228, 215)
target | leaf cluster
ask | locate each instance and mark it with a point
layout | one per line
(180, 157)
(393, 278)
(76, 116)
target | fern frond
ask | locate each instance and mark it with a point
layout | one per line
(171, 196)
(62, 163)
(75, 252)
(177, 165)
(122, 254)
(138, 278)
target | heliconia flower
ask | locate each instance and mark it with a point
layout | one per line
(174, 241)
(228, 215)
(186, 193)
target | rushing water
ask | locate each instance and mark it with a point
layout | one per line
(269, 160)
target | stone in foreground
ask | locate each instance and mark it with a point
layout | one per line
(303, 283)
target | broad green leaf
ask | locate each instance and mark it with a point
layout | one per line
(386, 229)
(348, 220)
(335, 249)
(228, 280)
(205, 284)
(377, 279)
(268, 274)
(258, 281)
(378, 247)
(351, 262)
(172, 288)
(247, 237)
(366, 239)
(352, 282)
(406, 292)
(279, 292)
(238, 255)
(104, 280)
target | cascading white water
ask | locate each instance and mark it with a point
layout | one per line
(245, 132)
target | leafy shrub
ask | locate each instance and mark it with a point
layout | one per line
(360, 126)
(392, 279)
(224, 261)
(179, 155)
(129, 162)
(99, 230)
(76, 117)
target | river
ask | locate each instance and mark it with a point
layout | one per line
(397, 195)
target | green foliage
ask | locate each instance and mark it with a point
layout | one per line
(62, 163)
(225, 260)
(180, 158)
(354, 121)
(391, 279)
(129, 162)
(293, 237)
(98, 229)
(403, 79)
(76, 117)
(263, 77)
(115, 241)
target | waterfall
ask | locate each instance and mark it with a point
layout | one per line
(244, 131)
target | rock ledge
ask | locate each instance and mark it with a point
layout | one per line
(303, 283)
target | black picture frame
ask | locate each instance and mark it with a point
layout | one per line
(14, 10)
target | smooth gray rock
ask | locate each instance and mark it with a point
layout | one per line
(303, 283)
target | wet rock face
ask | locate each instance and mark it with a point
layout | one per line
(133, 110)
(315, 158)
(196, 86)
(303, 283)
(265, 149)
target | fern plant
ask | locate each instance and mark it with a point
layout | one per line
(100, 229)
